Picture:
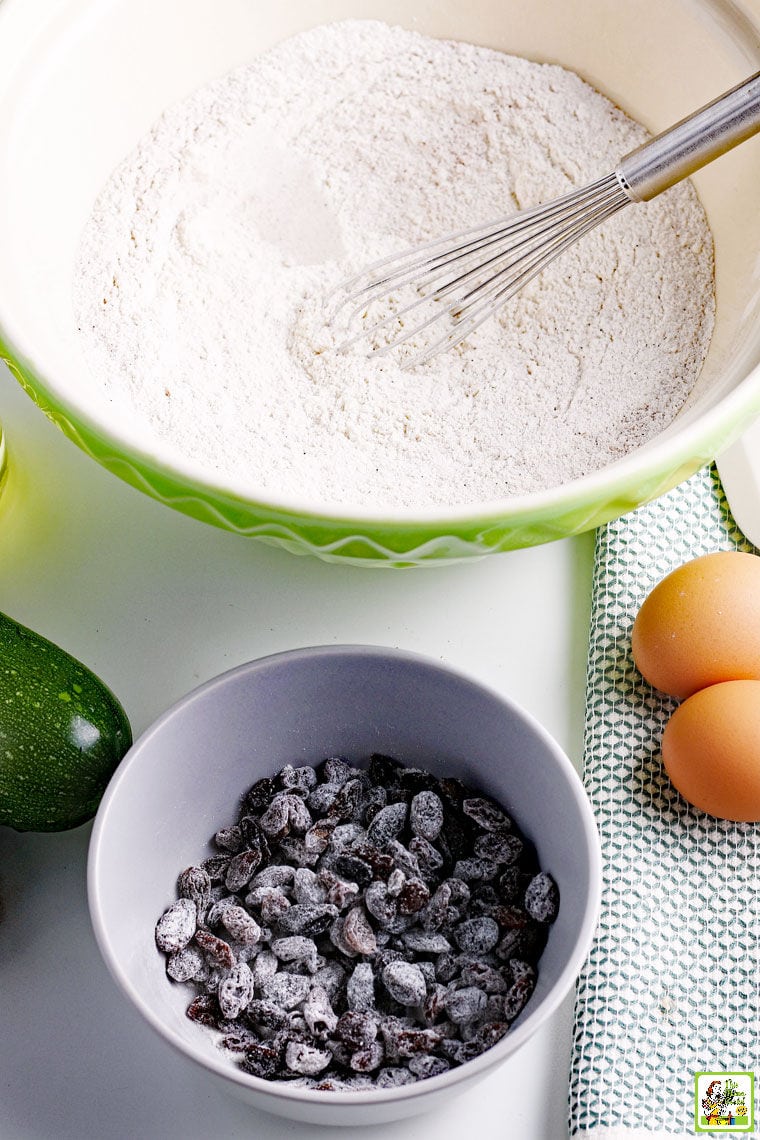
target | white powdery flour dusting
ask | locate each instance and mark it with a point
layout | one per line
(203, 271)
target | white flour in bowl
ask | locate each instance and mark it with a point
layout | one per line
(203, 269)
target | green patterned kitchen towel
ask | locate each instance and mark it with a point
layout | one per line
(672, 984)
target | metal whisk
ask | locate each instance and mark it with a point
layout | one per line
(462, 279)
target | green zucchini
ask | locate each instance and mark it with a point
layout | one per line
(62, 733)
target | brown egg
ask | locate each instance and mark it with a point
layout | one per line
(701, 625)
(711, 750)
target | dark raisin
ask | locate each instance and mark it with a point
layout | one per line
(264, 1059)
(299, 816)
(300, 781)
(345, 806)
(465, 1004)
(317, 838)
(335, 770)
(195, 884)
(380, 903)
(499, 846)
(229, 839)
(176, 926)
(236, 990)
(405, 982)
(447, 967)
(241, 869)
(238, 1040)
(275, 875)
(307, 919)
(284, 989)
(258, 797)
(452, 791)
(383, 769)
(412, 897)
(392, 1077)
(216, 867)
(341, 893)
(357, 1029)
(416, 780)
(542, 898)
(308, 887)
(380, 861)
(185, 964)
(487, 1035)
(266, 1015)
(435, 914)
(517, 996)
(319, 799)
(293, 848)
(387, 824)
(425, 1066)
(360, 988)
(239, 924)
(406, 1042)
(357, 932)
(455, 1050)
(369, 1059)
(205, 1010)
(216, 949)
(403, 859)
(353, 868)
(484, 895)
(477, 935)
(421, 943)
(513, 918)
(460, 893)
(475, 869)
(525, 943)
(429, 859)
(302, 1057)
(486, 813)
(275, 820)
(434, 1007)
(518, 969)
(508, 884)
(375, 798)
(273, 904)
(296, 948)
(454, 840)
(318, 1013)
(485, 977)
(254, 837)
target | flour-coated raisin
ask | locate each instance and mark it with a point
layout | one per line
(383, 925)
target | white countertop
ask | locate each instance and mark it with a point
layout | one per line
(156, 603)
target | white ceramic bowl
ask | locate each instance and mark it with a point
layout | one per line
(183, 778)
(81, 81)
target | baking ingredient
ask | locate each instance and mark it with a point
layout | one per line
(701, 624)
(711, 750)
(365, 944)
(201, 283)
(62, 733)
(697, 636)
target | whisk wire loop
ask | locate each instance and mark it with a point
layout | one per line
(467, 275)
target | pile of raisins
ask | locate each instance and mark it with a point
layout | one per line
(360, 928)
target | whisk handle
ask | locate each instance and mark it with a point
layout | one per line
(692, 143)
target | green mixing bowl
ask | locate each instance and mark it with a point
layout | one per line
(82, 80)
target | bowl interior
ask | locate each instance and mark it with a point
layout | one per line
(80, 82)
(183, 779)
